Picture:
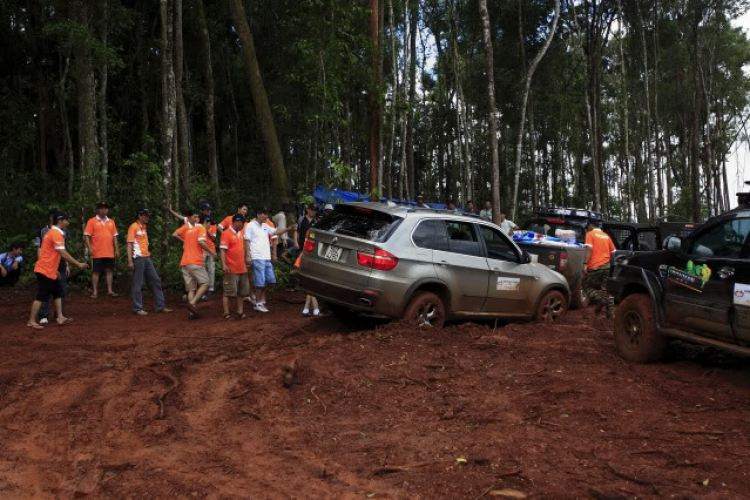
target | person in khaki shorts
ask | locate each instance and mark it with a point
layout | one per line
(193, 237)
(236, 283)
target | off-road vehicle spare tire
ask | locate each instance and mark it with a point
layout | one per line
(425, 310)
(552, 308)
(636, 337)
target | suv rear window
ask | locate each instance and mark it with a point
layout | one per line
(359, 222)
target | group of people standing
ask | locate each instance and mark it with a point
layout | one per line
(248, 250)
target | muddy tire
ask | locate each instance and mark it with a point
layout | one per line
(552, 308)
(635, 330)
(425, 310)
(579, 299)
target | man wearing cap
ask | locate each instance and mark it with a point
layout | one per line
(227, 222)
(421, 203)
(193, 237)
(327, 209)
(236, 283)
(64, 269)
(51, 251)
(258, 254)
(597, 268)
(139, 261)
(100, 236)
(305, 223)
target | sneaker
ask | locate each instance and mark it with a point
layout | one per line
(185, 298)
(316, 312)
(204, 298)
(43, 321)
(260, 308)
(141, 313)
(305, 312)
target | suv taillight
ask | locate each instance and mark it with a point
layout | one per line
(309, 246)
(381, 261)
(563, 261)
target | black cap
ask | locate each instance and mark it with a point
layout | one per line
(263, 210)
(102, 204)
(61, 215)
(238, 217)
(143, 211)
(206, 206)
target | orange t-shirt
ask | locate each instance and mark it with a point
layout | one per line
(49, 259)
(102, 233)
(602, 248)
(138, 236)
(233, 243)
(211, 237)
(226, 223)
(192, 252)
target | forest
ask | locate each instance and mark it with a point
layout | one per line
(629, 107)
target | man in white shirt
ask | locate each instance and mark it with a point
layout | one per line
(507, 226)
(258, 237)
(280, 220)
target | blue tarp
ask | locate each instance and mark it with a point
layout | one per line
(323, 195)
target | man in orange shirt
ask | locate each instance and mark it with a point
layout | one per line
(227, 222)
(193, 237)
(139, 261)
(47, 272)
(597, 268)
(209, 260)
(236, 282)
(101, 239)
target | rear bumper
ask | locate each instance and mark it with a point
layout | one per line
(365, 300)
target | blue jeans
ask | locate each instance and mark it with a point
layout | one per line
(143, 267)
(44, 310)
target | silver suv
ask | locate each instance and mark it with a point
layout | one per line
(425, 266)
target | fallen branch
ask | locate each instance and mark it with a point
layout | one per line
(237, 396)
(485, 491)
(632, 479)
(392, 469)
(312, 391)
(528, 374)
(710, 433)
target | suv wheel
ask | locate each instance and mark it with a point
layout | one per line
(552, 307)
(425, 309)
(635, 330)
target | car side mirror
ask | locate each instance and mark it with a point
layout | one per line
(526, 258)
(673, 244)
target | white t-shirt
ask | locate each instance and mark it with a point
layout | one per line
(507, 226)
(280, 220)
(259, 237)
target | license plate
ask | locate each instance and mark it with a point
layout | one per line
(333, 253)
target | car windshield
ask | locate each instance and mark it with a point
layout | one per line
(549, 227)
(359, 222)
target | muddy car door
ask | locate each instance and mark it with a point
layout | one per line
(510, 280)
(701, 283)
(462, 266)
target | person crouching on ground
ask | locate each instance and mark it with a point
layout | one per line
(139, 261)
(193, 237)
(47, 271)
(236, 283)
(100, 236)
(10, 265)
(258, 255)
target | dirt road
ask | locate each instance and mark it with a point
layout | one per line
(116, 406)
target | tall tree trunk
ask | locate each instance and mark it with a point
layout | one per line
(103, 120)
(168, 105)
(62, 99)
(280, 184)
(402, 189)
(657, 139)
(649, 157)
(492, 109)
(625, 118)
(695, 139)
(86, 91)
(381, 96)
(183, 135)
(525, 100)
(532, 156)
(373, 101)
(213, 167)
(389, 163)
(411, 180)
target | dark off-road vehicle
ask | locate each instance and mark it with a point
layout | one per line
(697, 290)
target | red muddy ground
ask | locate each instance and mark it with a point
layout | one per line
(117, 407)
